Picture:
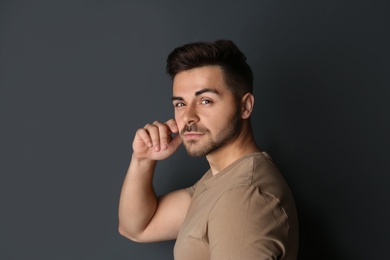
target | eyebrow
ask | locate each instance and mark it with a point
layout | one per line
(199, 92)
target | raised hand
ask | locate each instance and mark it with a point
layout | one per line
(155, 141)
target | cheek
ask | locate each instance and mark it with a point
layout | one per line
(217, 124)
(179, 122)
(220, 119)
(222, 113)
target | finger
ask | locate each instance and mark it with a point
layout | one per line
(144, 136)
(154, 136)
(175, 143)
(172, 125)
(164, 133)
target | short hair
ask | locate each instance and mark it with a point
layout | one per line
(237, 73)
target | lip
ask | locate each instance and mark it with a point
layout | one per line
(192, 135)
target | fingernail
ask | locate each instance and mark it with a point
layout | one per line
(157, 148)
(164, 146)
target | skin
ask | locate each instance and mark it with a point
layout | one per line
(198, 95)
(201, 98)
(209, 122)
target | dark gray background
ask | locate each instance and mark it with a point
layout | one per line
(77, 78)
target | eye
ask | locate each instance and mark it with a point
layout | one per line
(178, 104)
(205, 101)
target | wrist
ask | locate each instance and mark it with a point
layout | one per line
(142, 161)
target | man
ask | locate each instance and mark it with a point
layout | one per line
(241, 208)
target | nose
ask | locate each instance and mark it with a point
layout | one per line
(190, 115)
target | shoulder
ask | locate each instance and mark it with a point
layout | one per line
(251, 203)
(191, 189)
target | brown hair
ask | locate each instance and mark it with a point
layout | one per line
(224, 53)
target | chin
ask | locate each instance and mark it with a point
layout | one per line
(193, 152)
(200, 152)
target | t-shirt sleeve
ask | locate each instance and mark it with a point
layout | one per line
(192, 188)
(247, 224)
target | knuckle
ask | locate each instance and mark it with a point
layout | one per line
(150, 127)
(140, 130)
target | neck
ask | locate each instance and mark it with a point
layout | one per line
(238, 147)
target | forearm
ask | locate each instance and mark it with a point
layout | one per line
(138, 201)
(142, 217)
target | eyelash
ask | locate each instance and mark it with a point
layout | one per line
(179, 104)
(203, 102)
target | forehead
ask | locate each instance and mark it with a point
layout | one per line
(191, 81)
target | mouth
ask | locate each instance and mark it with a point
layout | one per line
(192, 135)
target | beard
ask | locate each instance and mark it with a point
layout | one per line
(224, 136)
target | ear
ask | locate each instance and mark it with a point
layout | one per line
(247, 102)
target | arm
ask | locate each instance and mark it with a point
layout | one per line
(142, 216)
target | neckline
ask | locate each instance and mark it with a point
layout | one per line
(212, 177)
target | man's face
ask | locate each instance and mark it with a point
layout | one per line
(206, 112)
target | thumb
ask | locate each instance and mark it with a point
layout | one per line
(172, 126)
(175, 143)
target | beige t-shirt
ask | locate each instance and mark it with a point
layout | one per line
(246, 211)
